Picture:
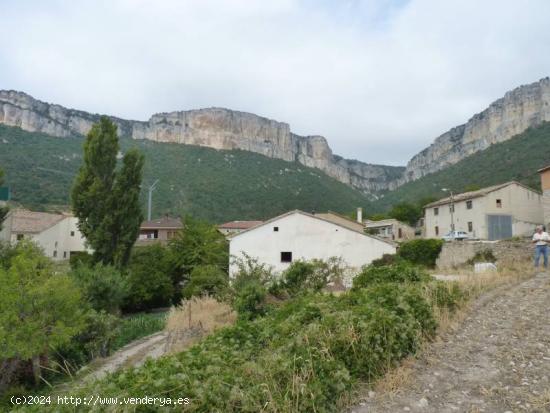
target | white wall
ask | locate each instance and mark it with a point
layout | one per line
(307, 238)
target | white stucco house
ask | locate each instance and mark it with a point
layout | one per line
(298, 235)
(57, 234)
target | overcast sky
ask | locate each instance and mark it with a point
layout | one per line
(380, 79)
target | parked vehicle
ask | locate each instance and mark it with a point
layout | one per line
(455, 236)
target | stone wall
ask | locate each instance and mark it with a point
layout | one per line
(456, 254)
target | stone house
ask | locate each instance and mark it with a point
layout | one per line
(390, 229)
(492, 213)
(298, 235)
(57, 234)
(158, 230)
(545, 186)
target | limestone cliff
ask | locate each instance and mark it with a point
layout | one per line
(213, 127)
(525, 106)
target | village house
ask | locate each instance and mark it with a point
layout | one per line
(57, 234)
(492, 213)
(545, 185)
(298, 235)
(234, 227)
(390, 229)
(158, 230)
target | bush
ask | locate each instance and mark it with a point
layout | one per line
(308, 355)
(78, 258)
(103, 286)
(400, 272)
(137, 326)
(485, 255)
(386, 259)
(149, 280)
(421, 251)
(250, 301)
(207, 280)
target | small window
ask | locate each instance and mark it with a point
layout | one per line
(72, 233)
(55, 254)
(452, 208)
(399, 233)
(436, 230)
(468, 204)
(64, 254)
(55, 244)
(276, 229)
(470, 227)
(20, 237)
(436, 211)
(499, 203)
(286, 256)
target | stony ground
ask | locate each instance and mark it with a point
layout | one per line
(498, 360)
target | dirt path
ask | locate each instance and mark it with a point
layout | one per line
(133, 354)
(498, 360)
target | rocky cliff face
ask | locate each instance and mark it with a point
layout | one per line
(214, 127)
(518, 110)
(226, 129)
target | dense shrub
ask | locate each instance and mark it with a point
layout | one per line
(386, 259)
(399, 272)
(78, 258)
(250, 301)
(485, 255)
(102, 286)
(305, 356)
(421, 251)
(207, 280)
(150, 284)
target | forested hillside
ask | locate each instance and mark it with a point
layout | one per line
(211, 184)
(516, 159)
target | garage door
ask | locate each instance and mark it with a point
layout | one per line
(500, 226)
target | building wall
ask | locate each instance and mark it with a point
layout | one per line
(525, 207)
(307, 238)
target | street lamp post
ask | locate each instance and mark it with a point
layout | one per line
(452, 207)
(149, 200)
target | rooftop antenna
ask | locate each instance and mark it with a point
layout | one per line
(151, 189)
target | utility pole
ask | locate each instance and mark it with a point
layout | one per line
(149, 201)
(452, 208)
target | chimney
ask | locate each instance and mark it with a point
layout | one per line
(360, 215)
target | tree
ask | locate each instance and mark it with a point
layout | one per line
(150, 284)
(406, 212)
(103, 286)
(198, 243)
(3, 210)
(207, 279)
(39, 310)
(106, 200)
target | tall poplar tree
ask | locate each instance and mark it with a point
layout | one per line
(106, 198)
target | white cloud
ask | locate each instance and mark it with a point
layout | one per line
(380, 79)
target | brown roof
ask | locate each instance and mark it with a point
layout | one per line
(30, 222)
(341, 220)
(543, 169)
(475, 194)
(239, 224)
(162, 223)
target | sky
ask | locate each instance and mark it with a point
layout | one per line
(380, 79)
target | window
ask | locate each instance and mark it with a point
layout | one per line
(436, 211)
(55, 254)
(64, 254)
(470, 227)
(20, 237)
(468, 204)
(276, 229)
(452, 208)
(499, 203)
(436, 230)
(286, 256)
(72, 233)
(399, 233)
(55, 244)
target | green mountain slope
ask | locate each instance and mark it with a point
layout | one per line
(516, 159)
(211, 184)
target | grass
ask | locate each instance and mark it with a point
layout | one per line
(136, 326)
(194, 319)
